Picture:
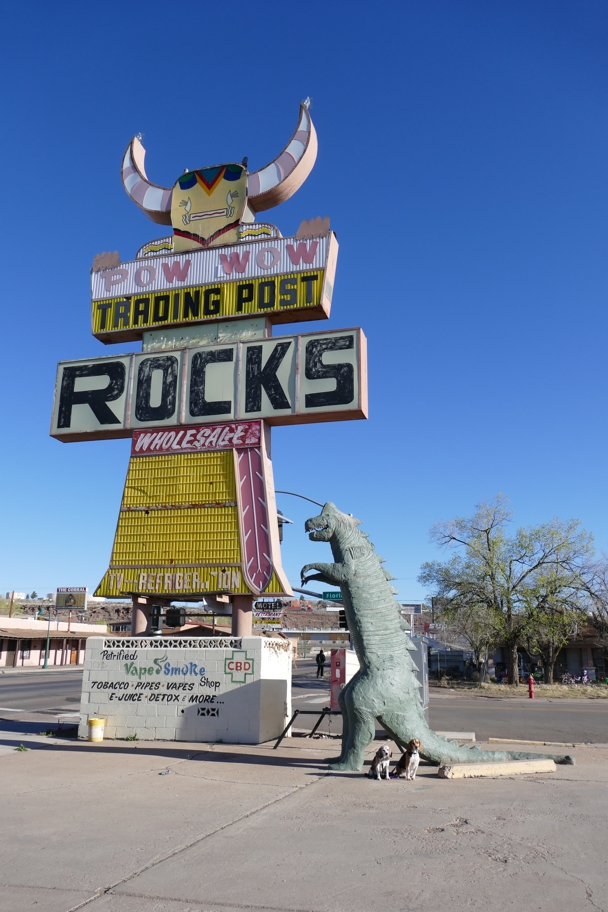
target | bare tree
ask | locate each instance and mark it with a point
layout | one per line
(470, 621)
(598, 600)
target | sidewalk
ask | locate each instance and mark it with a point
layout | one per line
(173, 827)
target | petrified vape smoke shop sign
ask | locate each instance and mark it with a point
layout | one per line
(198, 512)
(200, 689)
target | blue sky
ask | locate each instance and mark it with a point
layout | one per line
(463, 153)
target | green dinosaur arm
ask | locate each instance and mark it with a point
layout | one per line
(332, 574)
(319, 577)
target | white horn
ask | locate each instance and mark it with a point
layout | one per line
(153, 200)
(281, 178)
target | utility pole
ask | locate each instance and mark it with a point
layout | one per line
(48, 641)
(10, 607)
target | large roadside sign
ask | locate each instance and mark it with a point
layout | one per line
(198, 513)
(284, 279)
(283, 380)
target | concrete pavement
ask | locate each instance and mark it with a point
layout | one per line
(128, 827)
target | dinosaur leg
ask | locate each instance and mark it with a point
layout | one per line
(345, 722)
(405, 726)
(361, 731)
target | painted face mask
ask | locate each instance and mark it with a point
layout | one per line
(207, 206)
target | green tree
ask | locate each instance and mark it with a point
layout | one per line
(556, 603)
(34, 595)
(501, 576)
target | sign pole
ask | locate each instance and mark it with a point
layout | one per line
(48, 641)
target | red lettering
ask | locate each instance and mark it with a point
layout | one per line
(239, 666)
(302, 252)
(234, 261)
(176, 270)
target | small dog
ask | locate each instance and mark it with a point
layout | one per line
(381, 763)
(408, 764)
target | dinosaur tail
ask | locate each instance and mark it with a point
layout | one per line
(436, 749)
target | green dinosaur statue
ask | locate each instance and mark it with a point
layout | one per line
(385, 687)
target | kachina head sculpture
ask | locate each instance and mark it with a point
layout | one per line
(207, 206)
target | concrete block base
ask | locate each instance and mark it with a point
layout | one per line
(493, 770)
(236, 690)
(457, 736)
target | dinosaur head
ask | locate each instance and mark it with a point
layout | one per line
(329, 522)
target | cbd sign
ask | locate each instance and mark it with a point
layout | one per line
(239, 666)
(283, 380)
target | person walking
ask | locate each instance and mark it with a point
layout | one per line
(320, 663)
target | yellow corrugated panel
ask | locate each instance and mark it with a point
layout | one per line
(177, 536)
(159, 550)
(180, 478)
(178, 580)
(173, 580)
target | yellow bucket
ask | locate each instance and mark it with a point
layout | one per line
(96, 727)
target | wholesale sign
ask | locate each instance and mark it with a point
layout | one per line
(197, 439)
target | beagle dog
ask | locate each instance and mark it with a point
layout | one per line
(381, 763)
(408, 764)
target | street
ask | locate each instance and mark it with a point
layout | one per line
(31, 699)
(40, 691)
(489, 717)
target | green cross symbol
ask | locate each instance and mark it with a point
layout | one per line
(239, 666)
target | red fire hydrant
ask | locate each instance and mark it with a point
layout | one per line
(531, 687)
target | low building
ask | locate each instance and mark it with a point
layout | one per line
(584, 651)
(23, 642)
(314, 630)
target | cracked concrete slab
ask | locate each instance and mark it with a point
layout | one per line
(13, 898)
(233, 827)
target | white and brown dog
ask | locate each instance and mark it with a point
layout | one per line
(408, 764)
(381, 763)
